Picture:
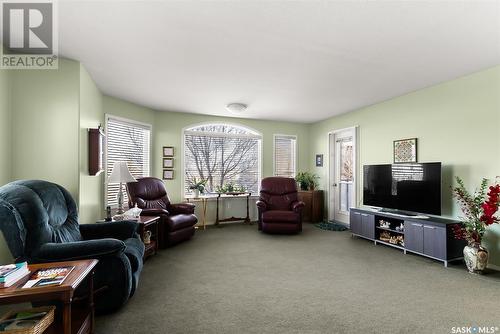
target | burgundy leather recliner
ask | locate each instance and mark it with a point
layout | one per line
(280, 211)
(177, 220)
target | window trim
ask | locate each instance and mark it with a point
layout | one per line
(295, 151)
(253, 133)
(143, 125)
(185, 131)
(220, 134)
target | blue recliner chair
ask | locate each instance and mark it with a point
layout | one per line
(39, 221)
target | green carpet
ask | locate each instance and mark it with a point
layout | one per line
(237, 280)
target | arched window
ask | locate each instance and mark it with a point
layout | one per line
(222, 155)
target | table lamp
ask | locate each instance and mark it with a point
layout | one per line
(120, 174)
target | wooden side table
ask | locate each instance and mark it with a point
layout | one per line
(246, 219)
(203, 199)
(146, 223)
(313, 209)
(149, 223)
(74, 320)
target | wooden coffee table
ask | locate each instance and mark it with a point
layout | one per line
(74, 320)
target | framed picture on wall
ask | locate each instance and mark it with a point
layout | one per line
(168, 162)
(319, 160)
(168, 151)
(405, 150)
(168, 174)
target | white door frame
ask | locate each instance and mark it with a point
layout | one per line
(331, 171)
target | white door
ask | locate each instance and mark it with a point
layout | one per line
(342, 174)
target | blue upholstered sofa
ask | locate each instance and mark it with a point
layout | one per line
(39, 221)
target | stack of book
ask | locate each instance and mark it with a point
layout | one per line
(11, 273)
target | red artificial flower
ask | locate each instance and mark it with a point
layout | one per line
(490, 206)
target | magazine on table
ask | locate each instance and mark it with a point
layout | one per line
(49, 276)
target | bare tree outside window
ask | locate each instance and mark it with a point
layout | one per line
(346, 171)
(222, 154)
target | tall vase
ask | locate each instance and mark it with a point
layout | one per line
(476, 258)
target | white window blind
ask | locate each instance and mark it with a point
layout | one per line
(222, 154)
(128, 141)
(285, 155)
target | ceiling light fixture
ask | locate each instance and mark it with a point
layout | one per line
(236, 107)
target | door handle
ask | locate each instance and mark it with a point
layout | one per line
(431, 227)
(418, 225)
(334, 184)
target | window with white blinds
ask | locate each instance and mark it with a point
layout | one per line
(129, 141)
(285, 155)
(222, 155)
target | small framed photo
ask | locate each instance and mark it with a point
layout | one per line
(168, 162)
(405, 150)
(168, 151)
(319, 160)
(168, 174)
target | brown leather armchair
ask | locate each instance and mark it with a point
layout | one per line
(177, 220)
(280, 211)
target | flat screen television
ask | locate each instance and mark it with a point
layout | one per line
(413, 187)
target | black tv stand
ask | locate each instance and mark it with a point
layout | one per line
(430, 237)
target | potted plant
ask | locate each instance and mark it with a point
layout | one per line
(197, 186)
(230, 188)
(307, 180)
(479, 209)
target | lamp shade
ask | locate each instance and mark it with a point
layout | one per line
(120, 173)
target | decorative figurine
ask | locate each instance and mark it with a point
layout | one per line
(147, 237)
(384, 224)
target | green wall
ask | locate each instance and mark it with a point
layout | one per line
(5, 146)
(91, 116)
(39, 137)
(40, 115)
(456, 122)
(120, 108)
(5, 128)
(93, 107)
(45, 123)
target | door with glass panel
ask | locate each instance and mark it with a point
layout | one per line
(342, 174)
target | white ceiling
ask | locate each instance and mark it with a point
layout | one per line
(296, 61)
